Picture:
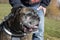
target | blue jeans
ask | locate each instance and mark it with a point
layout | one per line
(39, 35)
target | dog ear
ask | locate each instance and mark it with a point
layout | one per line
(13, 10)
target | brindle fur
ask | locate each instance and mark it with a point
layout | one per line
(4, 36)
(13, 20)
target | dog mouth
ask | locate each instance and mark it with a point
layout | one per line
(30, 29)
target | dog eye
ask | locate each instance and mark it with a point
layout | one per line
(29, 14)
(30, 22)
(37, 25)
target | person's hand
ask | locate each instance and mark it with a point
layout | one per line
(42, 8)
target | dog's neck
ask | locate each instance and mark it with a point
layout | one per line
(8, 32)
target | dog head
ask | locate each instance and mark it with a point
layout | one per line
(23, 20)
(29, 19)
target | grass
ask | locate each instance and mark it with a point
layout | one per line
(52, 27)
(4, 10)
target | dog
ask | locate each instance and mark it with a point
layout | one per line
(21, 22)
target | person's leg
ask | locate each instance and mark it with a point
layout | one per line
(40, 34)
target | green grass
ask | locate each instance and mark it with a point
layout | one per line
(52, 27)
(4, 10)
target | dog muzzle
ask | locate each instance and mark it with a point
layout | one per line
(31, 22)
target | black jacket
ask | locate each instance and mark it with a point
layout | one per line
(17, 3)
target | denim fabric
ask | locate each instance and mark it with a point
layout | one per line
(39, 35)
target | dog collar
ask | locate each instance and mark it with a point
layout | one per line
(8, 32)
(11, 34)
(12, 37)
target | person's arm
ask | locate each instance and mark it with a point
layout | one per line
(43, 5)
(15, 3)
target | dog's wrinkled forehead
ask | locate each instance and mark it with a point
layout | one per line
(26, 10)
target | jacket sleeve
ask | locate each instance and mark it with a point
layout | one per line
(45, 3)
(15, 3)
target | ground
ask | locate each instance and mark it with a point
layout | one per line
(52, 27)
